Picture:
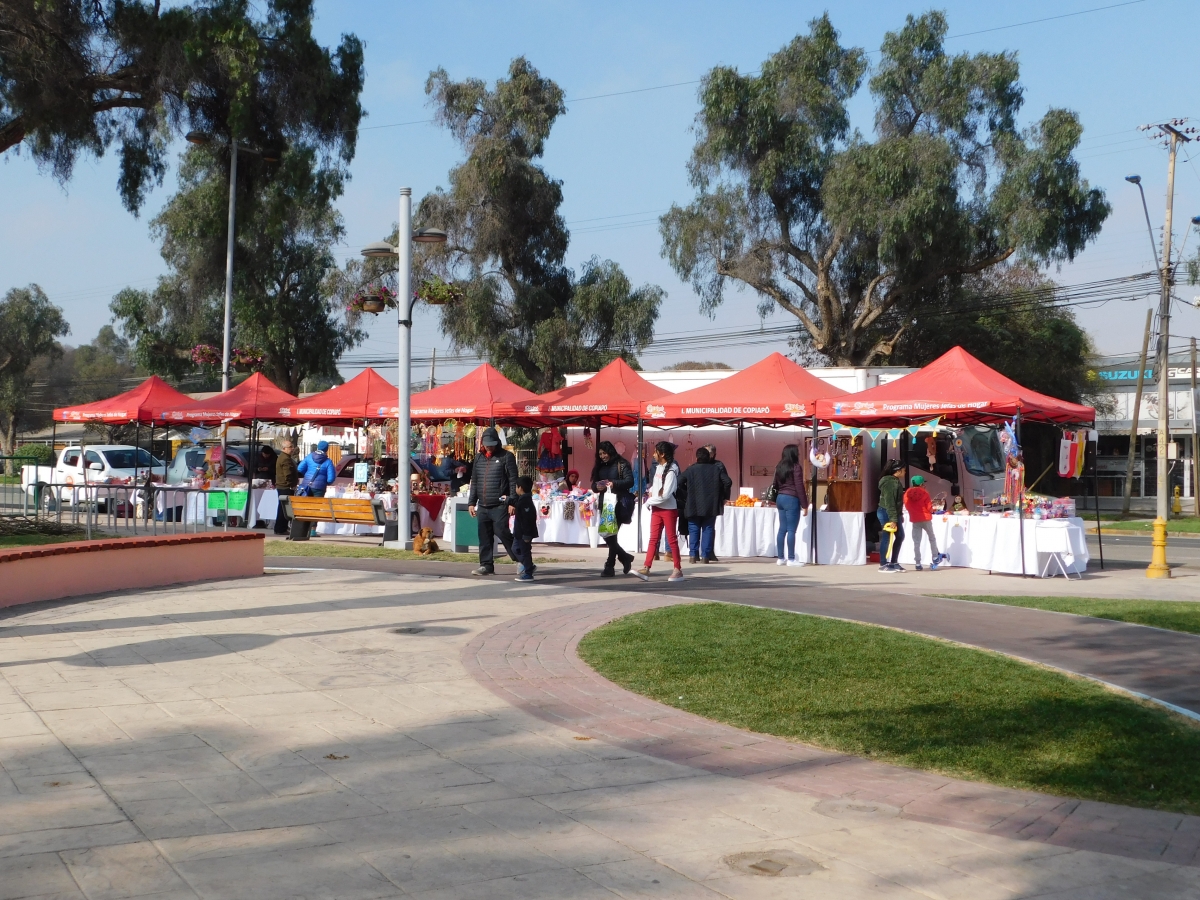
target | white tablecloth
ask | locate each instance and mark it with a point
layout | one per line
(749, 531)
(557, 529)
(993, 543)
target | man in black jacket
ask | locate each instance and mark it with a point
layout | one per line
(705, 486)
(492, 498)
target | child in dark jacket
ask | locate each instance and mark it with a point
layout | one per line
(525, 528)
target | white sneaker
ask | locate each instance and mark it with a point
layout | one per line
(781, 561)
(796, 562)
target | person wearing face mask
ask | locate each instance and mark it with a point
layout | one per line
(492, 499)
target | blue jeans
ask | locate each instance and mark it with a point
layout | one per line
(701, 534)
(895, 539)
(523, 552)
(789, 521)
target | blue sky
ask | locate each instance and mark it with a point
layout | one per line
(622, 158)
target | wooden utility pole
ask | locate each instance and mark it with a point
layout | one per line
(1133, 427)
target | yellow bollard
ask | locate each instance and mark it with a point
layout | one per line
(1158, 567)
(1177, 504)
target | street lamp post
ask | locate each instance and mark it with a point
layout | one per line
(405, 237)
(201, 138)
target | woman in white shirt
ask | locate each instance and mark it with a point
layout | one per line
(664, 512)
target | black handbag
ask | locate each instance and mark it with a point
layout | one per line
(626, 503)
(772, 493)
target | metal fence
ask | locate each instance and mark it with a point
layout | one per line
(121, 509)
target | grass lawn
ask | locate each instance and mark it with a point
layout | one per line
(904, 699)
(33, 540)
(1173, 615)
(365, 551)
(1182, 525)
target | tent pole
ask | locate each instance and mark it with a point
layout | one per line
(639, 480)
(137, 452)
(1021, 495)
(812, 533)
(1096, 494)
(741, 446)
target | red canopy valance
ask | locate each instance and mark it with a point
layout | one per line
(368, 395)
(256, 398)
(960, 390)
(773, 391)
(479, 396)
(614, 395)
(141, 404)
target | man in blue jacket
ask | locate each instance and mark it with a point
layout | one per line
(316, 471)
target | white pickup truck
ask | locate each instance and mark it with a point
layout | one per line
(99, 464)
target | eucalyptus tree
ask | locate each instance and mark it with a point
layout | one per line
(852, 234)
(513, 298)
(78, 76)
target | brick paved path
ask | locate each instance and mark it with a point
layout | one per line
(531, 663)
(1164, 665)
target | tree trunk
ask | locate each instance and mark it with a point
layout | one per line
(9, 439)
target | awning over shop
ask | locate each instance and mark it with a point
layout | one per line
(138, 405)
(773, 391)
(614, 396)
(958, 389)
(478, 396)
(368, 395)
(256, 398)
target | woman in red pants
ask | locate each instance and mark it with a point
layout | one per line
(664, 515)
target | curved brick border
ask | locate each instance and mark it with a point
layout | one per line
(531, 663)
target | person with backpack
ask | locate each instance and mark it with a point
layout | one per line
(791, 500)
(612, 472)
(664, 515)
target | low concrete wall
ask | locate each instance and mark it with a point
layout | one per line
(55, 571)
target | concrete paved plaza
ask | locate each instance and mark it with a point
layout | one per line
(360, 734)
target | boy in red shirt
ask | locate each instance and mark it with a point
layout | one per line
(919, 506)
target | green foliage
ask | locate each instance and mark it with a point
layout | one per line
(36, 454)
(286, 229)
(517, 303)
(851, 236)
(903, 699)
(30, 326)
(1006, 317)
(77, 76)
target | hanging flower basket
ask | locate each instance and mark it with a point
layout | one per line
(372, 300)
(206, 355)
(437, 292)
(246, 359)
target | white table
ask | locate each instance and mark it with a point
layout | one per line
(993, 543)
(557, 529)
(194, 504)
(750, 531)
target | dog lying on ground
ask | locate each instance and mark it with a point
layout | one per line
(424, 544)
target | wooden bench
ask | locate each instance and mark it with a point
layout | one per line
(338, 510)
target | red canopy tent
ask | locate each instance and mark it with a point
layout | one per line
(613, 397)
(255, 399)
(138, 405)
(368, 395)
(958, 389)
(477, 396)
(773, 391)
